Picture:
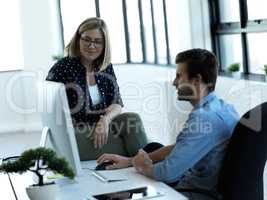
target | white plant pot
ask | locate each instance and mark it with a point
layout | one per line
(236, 75)
(44, 192)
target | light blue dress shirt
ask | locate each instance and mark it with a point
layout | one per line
(197, 155)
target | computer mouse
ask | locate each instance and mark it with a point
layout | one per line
(103, 165)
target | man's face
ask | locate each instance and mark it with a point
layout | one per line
(185, 87)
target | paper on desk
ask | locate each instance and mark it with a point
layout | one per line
(112, 175)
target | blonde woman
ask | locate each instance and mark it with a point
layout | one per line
(94, 97)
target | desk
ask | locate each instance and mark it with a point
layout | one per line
(85, 185)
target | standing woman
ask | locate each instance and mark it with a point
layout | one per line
(94, 97)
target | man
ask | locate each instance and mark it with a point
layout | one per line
(195, 159)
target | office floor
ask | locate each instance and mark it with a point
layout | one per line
(15, 143)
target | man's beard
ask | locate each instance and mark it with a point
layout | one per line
(186, 93)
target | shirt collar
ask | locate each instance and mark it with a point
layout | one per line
(205, 100)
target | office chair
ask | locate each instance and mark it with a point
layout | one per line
(241, 175)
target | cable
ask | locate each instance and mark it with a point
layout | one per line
(14, 192)
(12, 158)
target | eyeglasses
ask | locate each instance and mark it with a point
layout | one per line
(97, 42)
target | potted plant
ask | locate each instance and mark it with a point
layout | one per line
(57, 57)
(265, 70)
(234, 70)
(39, 161)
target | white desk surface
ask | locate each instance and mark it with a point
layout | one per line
(86, 185)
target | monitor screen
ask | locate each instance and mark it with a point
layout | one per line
(56, 120)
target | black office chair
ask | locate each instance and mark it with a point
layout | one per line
(241, 176)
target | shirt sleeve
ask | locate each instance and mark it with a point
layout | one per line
(114, 96)
(192, 144)
(58, 72)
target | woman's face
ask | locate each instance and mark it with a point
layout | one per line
(91, 44)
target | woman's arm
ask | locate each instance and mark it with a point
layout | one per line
(100, 135)
(114, 102)
(112, 111)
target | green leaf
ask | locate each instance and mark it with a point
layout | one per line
(234, 67)
(265, 69)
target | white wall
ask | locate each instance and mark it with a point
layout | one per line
(18, 113)
(8, 117)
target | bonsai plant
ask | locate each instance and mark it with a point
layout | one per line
(39, 161)
(234, 69)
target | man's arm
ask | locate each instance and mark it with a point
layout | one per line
(192, 144)
(123, 162)
(184, 155)
(161, 153)
(143, 162)
(118, 161)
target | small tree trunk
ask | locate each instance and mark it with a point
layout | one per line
(41, 178)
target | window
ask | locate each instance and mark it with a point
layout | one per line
(256, 54)
(148, 31)
(140, 30)
(179, 31)
(111, 12)
(257, 9)
(134, 30)
(11, 49)
(229, 10)
(231, 50)
(73, 13)
(239, 32)
(160, 31)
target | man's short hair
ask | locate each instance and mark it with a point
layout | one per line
(200, 61)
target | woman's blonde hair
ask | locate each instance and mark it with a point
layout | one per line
(73, 48)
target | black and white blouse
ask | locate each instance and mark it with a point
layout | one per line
(72, 73)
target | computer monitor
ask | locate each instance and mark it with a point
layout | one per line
(57, 123)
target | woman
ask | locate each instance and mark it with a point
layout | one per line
(93, 95)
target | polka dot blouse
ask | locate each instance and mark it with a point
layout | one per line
(72, 73)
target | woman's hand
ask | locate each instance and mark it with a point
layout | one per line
(100, 133)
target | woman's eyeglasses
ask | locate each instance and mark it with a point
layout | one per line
(97, 42)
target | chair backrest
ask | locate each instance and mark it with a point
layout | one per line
(241, 175)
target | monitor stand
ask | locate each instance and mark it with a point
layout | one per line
(45, 134)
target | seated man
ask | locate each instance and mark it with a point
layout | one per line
(195, 159)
